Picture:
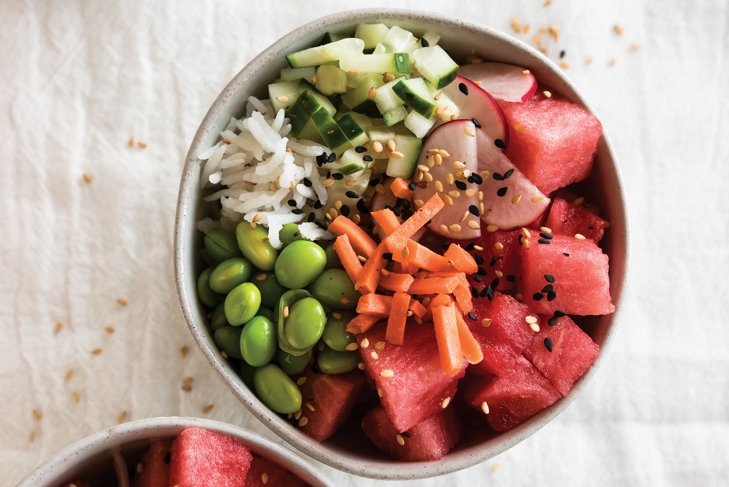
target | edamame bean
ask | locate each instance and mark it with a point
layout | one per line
(333, 261)
(207, 295)
(227, 339)
(276, 389)
(292, 364)
(218, 320)
(289, 233)
(221, 245)
(299, 264)
(305, 323)
(253, 243)
(258, 341)
(229, 273)
(335, 333)
(334, 362)
(242, 303)
(270, 288)
(335, 290)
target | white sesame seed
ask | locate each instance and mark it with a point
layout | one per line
(439, 186)
(351, 347)
(400, 440)
(387, 373)
(455, 227)
(545, 230)
(547, 94)
(377, 146)
(525, 231)
(579, 236)
(365, 343)
(491, 228)
(374, 355)
(391, 146)
(516, 199)
(530, 319)
(486, 322)
(380, 345)
(473, 224)
(499, 246)
(398, 155)
(534, 327)
(444, 404)
(485, 407)
(264, 478)
(303, 421)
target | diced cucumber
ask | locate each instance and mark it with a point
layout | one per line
(290, 74)
(352, 161)
(394, 115)
(385, 98)
(364, 121)
(308, 103)
(331, 37)
(371, 34)
(418, 124)
(381, 134)
(369, 108)
(409, 146)
(379, 49)
(398, 63)
(352, 130)
(429, 39)
(330, 80)
(283, 94)
(360, 92)
(435, 65)
(398, 39)
(334, 51)
(310, 132)
(416, 95)
(330, 132)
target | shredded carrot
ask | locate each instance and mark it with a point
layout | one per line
(359, 239)
(422, 257)
(348, 257)
(462, 293)
(471, 349)
(396, 282)
(434, 285)
(419, 311)
(362, 323)
(374, 304)
(386, 220)
(446, 334)
(460, 259)
(395, 332)
(397, 240)
(371, 272)
(401, 189)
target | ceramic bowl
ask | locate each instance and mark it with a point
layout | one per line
(349, 450)
(92, 455)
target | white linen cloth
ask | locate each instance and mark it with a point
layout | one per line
(79, 79)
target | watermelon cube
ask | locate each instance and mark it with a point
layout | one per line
(565, 274)
(501, 328)
(409, 378)
(153, 469)
(566, 218)
(551, 140)
(430, 439)
(202, 458)
(265, 472)
(327, 401)
(510, 399)
(562, 352)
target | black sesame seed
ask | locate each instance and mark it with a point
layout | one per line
(317, 205)
(351, 194)
(537, 296)
(548, 288)
(406, 434)
(510, 277)
(374, 182)
(329, 174)
(360, 149)
(495, 283)
(478, 278)
(552, 321)
(559, 314)
(473, 210)
(502, 191)
(489, 293)
(471, 179)
(307, 182)
(546, 235)
(476, 122)
(565, 254)
(562, 54)
(474, 292)
(297, 211)
(481, 271)
(424, 42)
(477, 178)
(549, 278)
(548, 344)
(311, 217)
(500, 144)
(497, 176)
(494, 260)
(412, 186)
(463, 88)
(461, 185)
(291, 202)
(344, 210)
(405, 203)
(338, 176)
(545, 241)
(470, 246)
(321, 159)
(387, 256)
(367, 158)
(331, 157)
(551, 296)
(508, 173)
(471, 315)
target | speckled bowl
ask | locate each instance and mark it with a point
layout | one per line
(349, 450)
(92, 454)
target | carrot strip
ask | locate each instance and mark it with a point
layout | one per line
(362, 323)
(374, 304)
(462, 293)
(434, 285)
(386, 219)
(395, 332)
(370, 275)
(401, 189)
(359, 239)
(419, 311)
(396, 282)
(446, 335)
(472, 351)
(397, 240)
(348, 257)
(460, 259)
(422, 257)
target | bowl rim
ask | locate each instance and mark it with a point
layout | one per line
(53, 471)
(392, 470)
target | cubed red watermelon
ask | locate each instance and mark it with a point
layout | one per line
(500, 259)
(202, 458)
(501, 328)
(561, 352)
(510, 399)
(153, 469)
(566, 218)
(551, 140)
(430, 439)
(565, 274)
(264, 472)
(327, 401)
(409, 378)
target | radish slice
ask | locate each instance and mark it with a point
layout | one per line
(457, 219)
(509, 198)
(502, 81)
(476, 104)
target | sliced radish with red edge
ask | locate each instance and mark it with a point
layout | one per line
(502, 81)
(474, 103)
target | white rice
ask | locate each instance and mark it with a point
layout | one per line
(255, 170)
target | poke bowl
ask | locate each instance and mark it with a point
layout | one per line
(401, 241)
(185, 451)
